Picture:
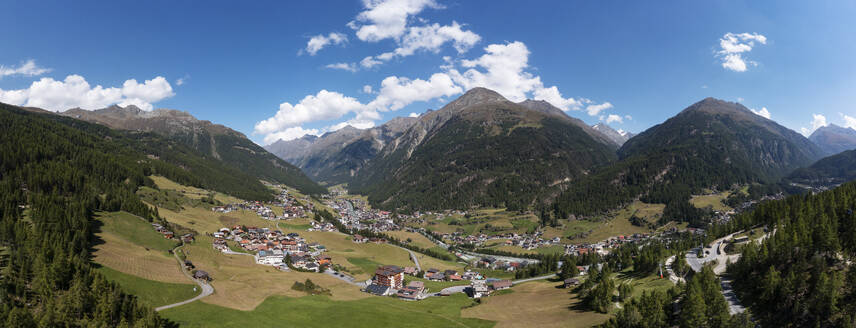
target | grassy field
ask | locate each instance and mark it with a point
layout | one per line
(134, 230)
(153, 293)
(714, 201)
(130, 245)
(618, 223)
(203, 220)
(417, 239)
(242, 284)
(321, 311)
(535, 304)
(192, 192)
(490, 221)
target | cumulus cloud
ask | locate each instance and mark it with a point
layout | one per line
(318, 42)
(27, 68)
(614, 118)
(413, 115)
(763, 112)
(350, 67)
(397, 92)
(733, 46)
(384, 19)
(74, 91)
(503, 68)
(817, 121)
(428, 38)
(595, 109)
(182, 80)
(554, 97)
(370, 62)
(849, 121)
(324, 105)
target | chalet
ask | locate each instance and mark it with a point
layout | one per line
(411, 271)
(325, 260)
(389, 275)
(454, 277)
(571, 282)
(188, 265)
(201, 275)
(168, 234)
(413, 291)
(500, 285)
(187, 238)
(360, 239)
(378, 290)
(479, 288)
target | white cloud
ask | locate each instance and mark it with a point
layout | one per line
(614, 118)
(324, 105)
(732, 46)
(182, 80)
(74, 91)
(501, 69)
(27, 68)
(849, 121)
(554, 97)
(763, 112)
(370, 62)
(817, 121)
(350, 67)
(384, 19)
(413, 115)
(397, 92)
(628, 117)
(428, 38)
(593, 110)
(318, 42)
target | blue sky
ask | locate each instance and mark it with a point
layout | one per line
(251, 66)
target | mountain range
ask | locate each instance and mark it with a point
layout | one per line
(618, 137)
(482, 149)
(711, 144)
(337, 157)
(834, 139)
(212, 141)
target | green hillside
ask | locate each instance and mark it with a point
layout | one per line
(712, 144)
(60, 176)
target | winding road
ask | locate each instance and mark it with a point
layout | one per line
(207, 289)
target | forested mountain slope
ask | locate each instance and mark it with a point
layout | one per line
(803, 275)
(212, 141)
(481, 149)
(711, 144)
(827, 172)
(53, 177)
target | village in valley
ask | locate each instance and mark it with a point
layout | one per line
(478, 274)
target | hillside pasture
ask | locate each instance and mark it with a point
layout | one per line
(535, 304)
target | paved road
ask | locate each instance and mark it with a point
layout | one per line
(672, 276)
(207, 289)
(412, 257)
(503, 258)
(346, 278)
(520, 281)
(231, 252)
